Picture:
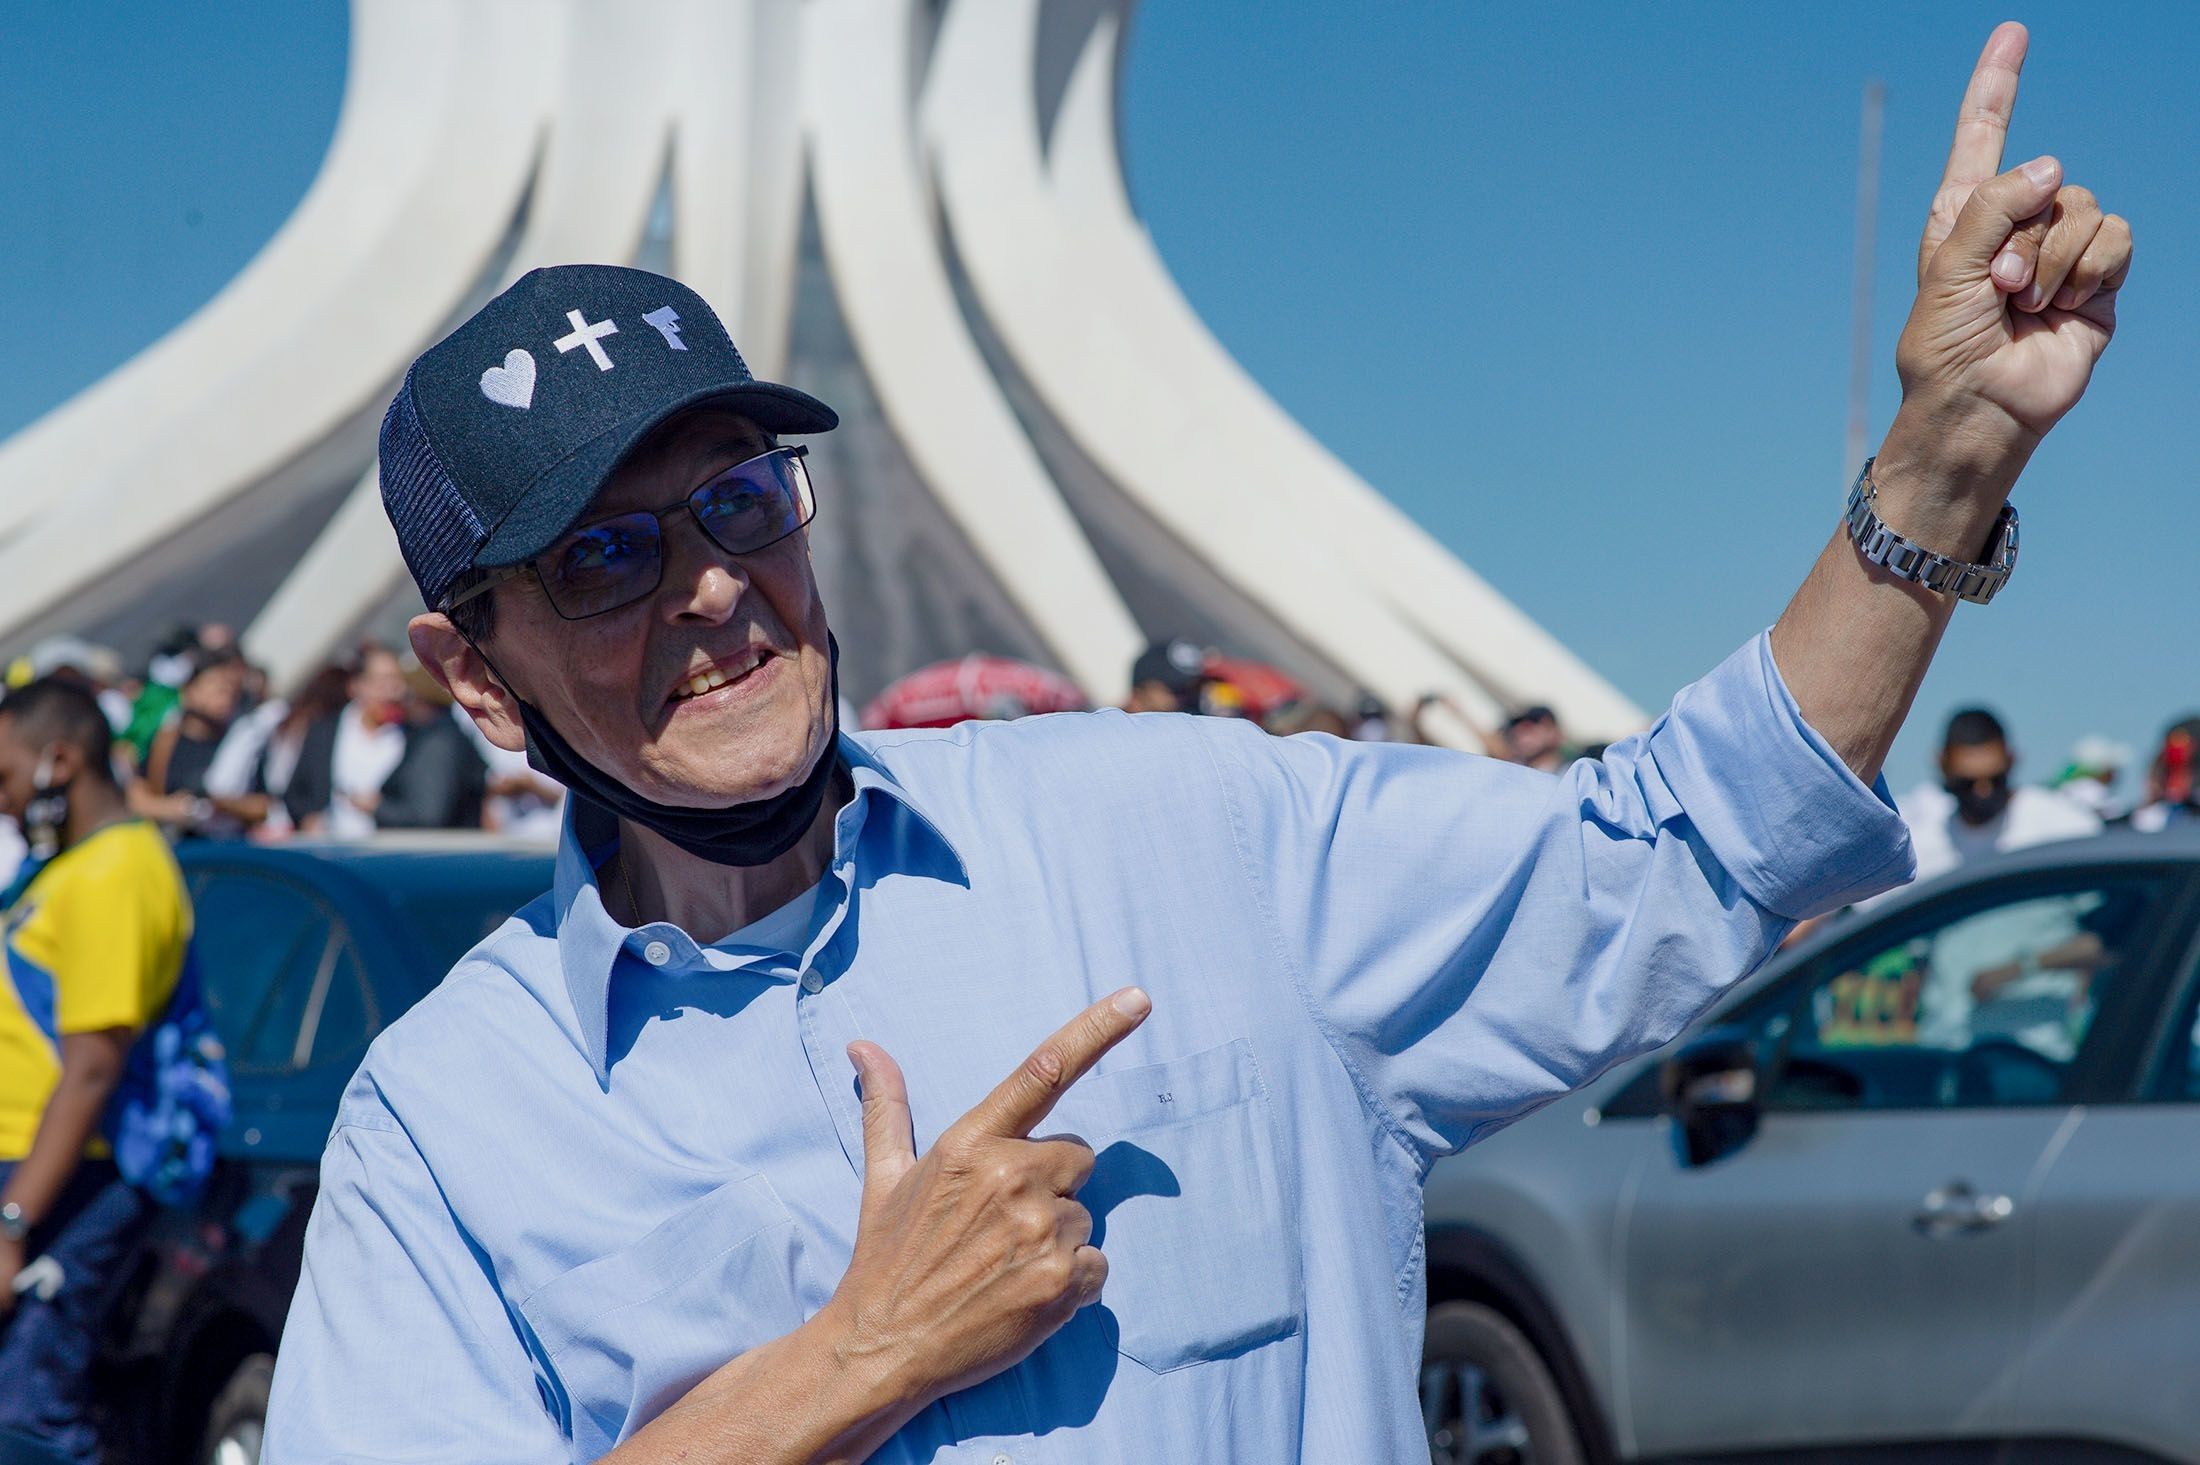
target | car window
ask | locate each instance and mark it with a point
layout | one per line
(2179, 1081)
(255, 939)
(283, 978)
(1986, 1001)
(346, 1019)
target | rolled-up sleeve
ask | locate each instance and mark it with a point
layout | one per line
(398, 1347)
(1475, 939)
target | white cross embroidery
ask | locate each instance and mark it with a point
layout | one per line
(587, 335)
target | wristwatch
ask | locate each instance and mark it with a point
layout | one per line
(1914, 562)
(14, 1224)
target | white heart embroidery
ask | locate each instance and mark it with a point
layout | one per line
(513, 383)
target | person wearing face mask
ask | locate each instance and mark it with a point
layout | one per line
(96, 944)
(2002, 972)
(1975, 810)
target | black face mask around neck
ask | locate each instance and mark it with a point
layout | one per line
(754, 833)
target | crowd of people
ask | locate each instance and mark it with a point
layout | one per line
(205, 748)
(1977, 808)
(1180, 676)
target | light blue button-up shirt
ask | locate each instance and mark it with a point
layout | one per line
(596, 1162)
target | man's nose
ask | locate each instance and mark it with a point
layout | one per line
(702, 582)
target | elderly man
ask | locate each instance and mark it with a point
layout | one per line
(612, 1190)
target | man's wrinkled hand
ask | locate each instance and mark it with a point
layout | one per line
(968, 1258)
(2018, 274)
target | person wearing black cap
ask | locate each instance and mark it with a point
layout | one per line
(1532, 739)
(1167, 677)
(609, 1190)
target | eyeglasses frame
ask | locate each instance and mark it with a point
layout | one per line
(806, 496)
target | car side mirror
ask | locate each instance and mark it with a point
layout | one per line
(1711, 1091)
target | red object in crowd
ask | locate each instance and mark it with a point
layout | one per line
(2176, 766)
(1263, 687)
(989, 687)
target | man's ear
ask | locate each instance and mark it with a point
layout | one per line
(68, 762)
(464, 673)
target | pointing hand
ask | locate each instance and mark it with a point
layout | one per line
(2018, 276)
(969, 1257)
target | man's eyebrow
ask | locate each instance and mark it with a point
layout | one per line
(741, 447)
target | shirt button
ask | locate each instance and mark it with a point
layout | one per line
(1002, 1459)
(811, 981)
(656, 953)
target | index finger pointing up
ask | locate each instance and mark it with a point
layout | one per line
(1027, 1096)
(1982, 127)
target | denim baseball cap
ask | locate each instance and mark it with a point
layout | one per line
(505, 429)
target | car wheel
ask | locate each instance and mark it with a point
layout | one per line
(238, 1416)
(1486, 1396)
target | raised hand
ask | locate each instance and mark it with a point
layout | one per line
(2017, 283)
(969, 1257)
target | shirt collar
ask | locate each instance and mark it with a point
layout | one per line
(590, 939)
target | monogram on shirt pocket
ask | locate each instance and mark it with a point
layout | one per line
(1188, 1204)
(632, 1331)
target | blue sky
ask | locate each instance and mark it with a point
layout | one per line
(1570, 284)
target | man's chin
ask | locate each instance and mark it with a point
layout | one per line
(705, 781)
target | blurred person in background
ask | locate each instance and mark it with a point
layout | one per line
(2090, 777)
(1308, 715)
(1976, 809)
(93, 667)
(2172, 799)
(236, 771)
(1168, 677)
(161, 688)
(1371, 720)
(522, 804)
(95, 947)
(1531, 738)
(441, 780)
(343, 760)
(175, 789)
(1417, 729)
(293, 720)
(1218, 698)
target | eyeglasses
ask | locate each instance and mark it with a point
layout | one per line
(612, 562)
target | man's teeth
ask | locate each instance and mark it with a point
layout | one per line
(710, 680)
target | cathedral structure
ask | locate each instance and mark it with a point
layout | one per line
(914, 209)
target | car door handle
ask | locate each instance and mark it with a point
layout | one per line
(1956, 1209)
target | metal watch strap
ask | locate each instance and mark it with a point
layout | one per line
(1914, 562)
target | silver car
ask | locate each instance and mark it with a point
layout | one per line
(1927, 1187)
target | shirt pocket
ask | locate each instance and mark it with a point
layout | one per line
(1188, 1203)
(628, 1334)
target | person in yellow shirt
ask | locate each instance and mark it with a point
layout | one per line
(95, 946)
